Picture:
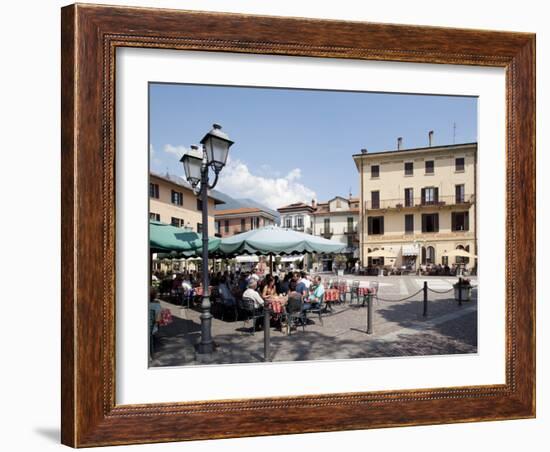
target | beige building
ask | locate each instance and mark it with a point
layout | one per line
(418, 204)
(172, 201)
(235, 221)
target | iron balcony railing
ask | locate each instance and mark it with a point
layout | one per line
(418, 202)
(350, 230)
(326, 233)
(422, 236)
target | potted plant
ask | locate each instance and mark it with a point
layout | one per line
(463, 290)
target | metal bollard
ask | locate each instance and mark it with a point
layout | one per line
(369, 313)
(460, 291)
(267, 342)
(425, 311)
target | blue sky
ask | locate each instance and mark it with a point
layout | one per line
(293, 144)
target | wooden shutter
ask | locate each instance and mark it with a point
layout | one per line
(423, 196)
(381, 225)
(466, 221)
(436, 222)
(453, 221)
(436, 195)
(369, 225)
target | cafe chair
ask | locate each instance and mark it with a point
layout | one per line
(295, 314)
(354, 292)
(251, 312)
(318, 308)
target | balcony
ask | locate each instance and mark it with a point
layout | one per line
(419, 203)
(326, 233)
(350, 231)
(421, 236)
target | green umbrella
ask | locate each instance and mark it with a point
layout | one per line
(165, 238)
(273, 240)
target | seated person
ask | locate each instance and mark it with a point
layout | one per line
(243, 282)
(225, 293)
(318, 292)
(251, 293)
(294, 300)
(269, 289)
(283, 286)
(303, 284)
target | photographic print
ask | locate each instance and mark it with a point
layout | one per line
(292, 224)
(292, 195)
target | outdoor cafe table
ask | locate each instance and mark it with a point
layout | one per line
(332, 295)
(277, 304)
(344, 287)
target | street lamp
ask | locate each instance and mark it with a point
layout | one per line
(197, 163)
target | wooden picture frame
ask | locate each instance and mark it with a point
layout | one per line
(90, 36)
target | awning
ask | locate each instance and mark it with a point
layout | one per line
(247, 258)
(409, 250)
(165, 238)
(292, 258)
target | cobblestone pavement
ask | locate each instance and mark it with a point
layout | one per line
(399, 329)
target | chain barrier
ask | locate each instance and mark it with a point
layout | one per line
(398, 300)
(440, 291)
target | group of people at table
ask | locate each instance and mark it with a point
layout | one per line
(295, 289)
(294, 292)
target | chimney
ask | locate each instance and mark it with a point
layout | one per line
(430, 137)
(314, 203)
(364, 151)
(399, 143)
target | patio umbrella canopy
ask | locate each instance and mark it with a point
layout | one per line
(165, 238)
(459, 253)
(382, 253)
(273, 240)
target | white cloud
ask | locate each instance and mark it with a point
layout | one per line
(153, 156)
(237, 181)
(176, 150)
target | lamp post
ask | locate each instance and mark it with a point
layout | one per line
(197, 162)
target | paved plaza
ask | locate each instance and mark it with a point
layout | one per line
(399, 328)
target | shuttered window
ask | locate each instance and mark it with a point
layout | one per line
(409, 224)
(430, 222)
(375, 225)
(430, 195)
(460, 221)
(429, 166)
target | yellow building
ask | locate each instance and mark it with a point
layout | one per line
(418, 204)
(172, 201)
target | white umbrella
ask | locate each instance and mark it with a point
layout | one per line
(459, 253)
(382, 253)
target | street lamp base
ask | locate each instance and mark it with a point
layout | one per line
(205, 348)
(207, 354)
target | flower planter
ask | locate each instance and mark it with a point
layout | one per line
(466, 293)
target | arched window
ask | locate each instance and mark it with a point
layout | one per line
(430, 255)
